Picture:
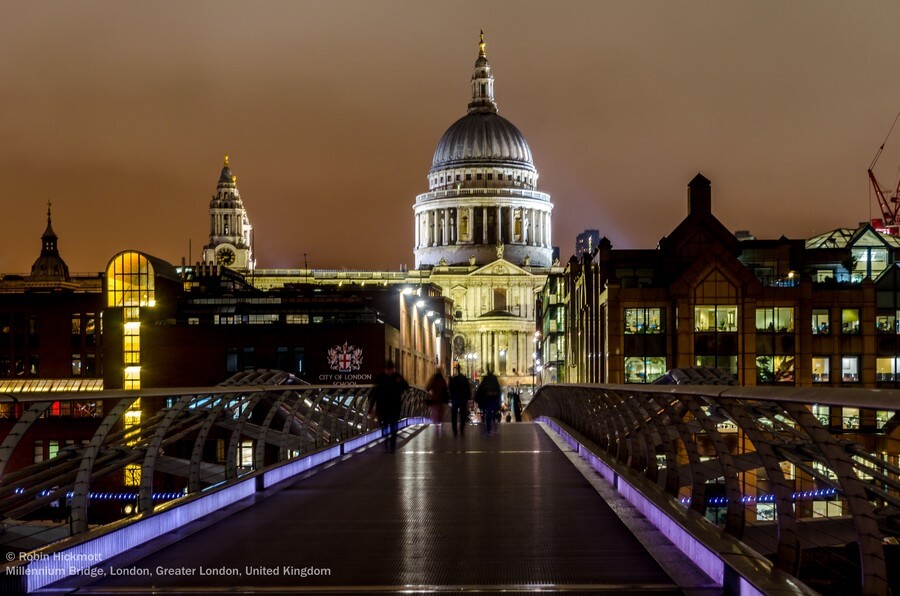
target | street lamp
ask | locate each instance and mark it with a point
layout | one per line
(470, 358)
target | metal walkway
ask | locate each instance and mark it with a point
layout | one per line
(506, 512)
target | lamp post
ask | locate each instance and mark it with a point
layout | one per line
(470, 358)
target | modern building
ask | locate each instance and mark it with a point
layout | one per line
(586, 241)
(817, 312)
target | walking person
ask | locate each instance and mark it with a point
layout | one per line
(386, 400)
(488, 398)
(460, 394)
(438, 397)
(516, 399)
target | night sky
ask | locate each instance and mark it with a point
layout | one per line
(120, 113)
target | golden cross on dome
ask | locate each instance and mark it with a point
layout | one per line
(481, 45)
(226, 159)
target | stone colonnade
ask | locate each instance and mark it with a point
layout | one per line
(494, 224)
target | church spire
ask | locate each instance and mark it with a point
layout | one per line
(226, 178)
(482, 83)
(49, 237)
(50, 266)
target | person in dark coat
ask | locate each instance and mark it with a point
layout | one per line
(516, 399)
(460, 394)
(386, 400)
(438, 397)
(488, 398)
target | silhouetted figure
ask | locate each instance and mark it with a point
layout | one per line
(488, 398)
(386, 401)
(460, 394)
(438, 397)
(516, 400)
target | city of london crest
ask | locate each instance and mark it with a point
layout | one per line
(345, 358)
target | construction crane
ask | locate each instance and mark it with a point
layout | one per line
(888, 203)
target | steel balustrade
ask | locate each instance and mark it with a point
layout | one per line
(282, 416)
(746, 449)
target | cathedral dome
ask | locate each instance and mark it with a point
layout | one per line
(482, 138)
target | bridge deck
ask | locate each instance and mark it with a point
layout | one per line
(508, 511)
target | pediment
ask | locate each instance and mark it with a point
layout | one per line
(500, 267)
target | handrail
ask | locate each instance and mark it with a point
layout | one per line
(78, 554)
(756, 462)
(267, 416)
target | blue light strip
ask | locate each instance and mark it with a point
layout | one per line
(712, 563)
(824, 493)
(57, 563)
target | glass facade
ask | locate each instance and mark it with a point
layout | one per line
(131, 285)
(716, 337)
(775, 345)
(645, 344)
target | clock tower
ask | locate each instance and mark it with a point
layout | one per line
(230, 232)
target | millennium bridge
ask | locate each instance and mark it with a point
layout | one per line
(263, 484)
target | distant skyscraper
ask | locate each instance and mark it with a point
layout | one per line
(586, 241)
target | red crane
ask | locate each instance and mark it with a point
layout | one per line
(889, 203)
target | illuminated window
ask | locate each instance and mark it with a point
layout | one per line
(850, 321)
(245, 454)
(775, 345)
(644, 369)
(776, 320)
(886, 369)
(821, 369)
(38, 451)
(820, 321)
(850, 418)
(850, 369)
(721, 319)
(823, 413)
(715, 340)
(131, 285)
(643, 320)
(775, 369)
(76, 365)
(887, 322)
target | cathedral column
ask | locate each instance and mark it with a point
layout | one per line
(512, 225)
(434, 227)
(453, 217)
(499, 226)
(444, 237)
(526, 226)
(484, 225)
(547, 219)
(543, 229)
(532, 239)
(418, 230)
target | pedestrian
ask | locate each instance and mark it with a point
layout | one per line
(386, 401)
(460, 394)
(438, 397)
(516, 399)
(488, 398)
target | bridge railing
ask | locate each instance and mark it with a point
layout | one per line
(203, 438)
(823, 504)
